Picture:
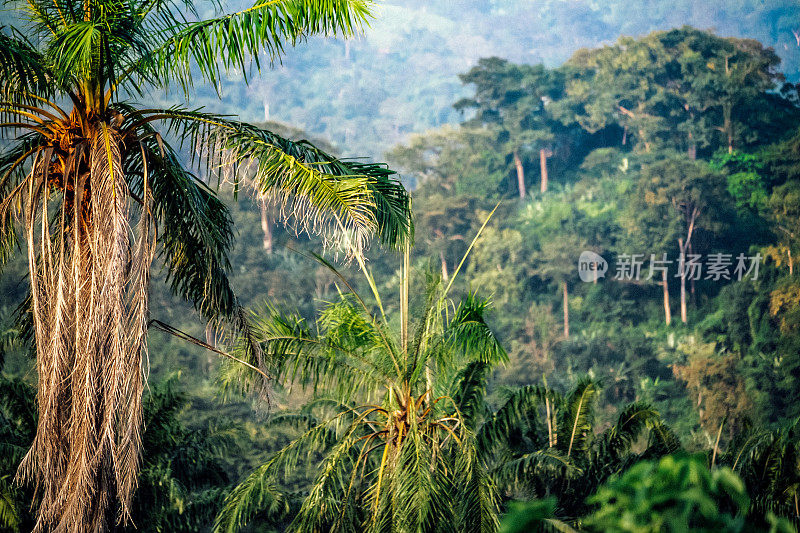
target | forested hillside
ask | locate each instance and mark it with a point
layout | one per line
(600, 311)
(369, 93)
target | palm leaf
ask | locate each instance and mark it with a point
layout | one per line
(632, 420)
(514, 415)
(469, 333)
(576, 425)
(237, 39)
(469, 391)
(22, 71)
(344, 201)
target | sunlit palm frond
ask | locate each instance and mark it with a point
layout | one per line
(234, 40)
(344, 201)
(576, 424)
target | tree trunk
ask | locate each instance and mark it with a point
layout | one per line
(566, 310)
(445, 275)
(682, 250)
(691, 281)
(520, 174)
(543, 168)
(791, 262)
(667, 312)
(266, 226)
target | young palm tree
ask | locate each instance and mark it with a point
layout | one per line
(539, 443)
(95, 189)
(769, 464)
(398, 453)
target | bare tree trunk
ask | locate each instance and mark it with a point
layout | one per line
(682, 249)
(445, 275)
(667, 312)
(266, 226)
(716, 443)
(691, 281)
(520, 174)
(791, 262)
(543, 155)
(549, 423)
(566, 310)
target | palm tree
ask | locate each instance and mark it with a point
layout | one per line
(540, 444)
(386, 416)
(95, 189)
(768, 461)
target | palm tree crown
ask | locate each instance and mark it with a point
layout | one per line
(388, 414)
(94, 188)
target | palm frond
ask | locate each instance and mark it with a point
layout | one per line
(342, 356)
(632, 420)
(662, 441)
(548, 464)
(10, 513)
(236, 40)
(469, 333)
(514, 414)
(344, 201)
(258, 491)
(196, 231)
(13, 164)
(576, 424)
(469, 391)
(22, 71)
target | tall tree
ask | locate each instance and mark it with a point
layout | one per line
(96, 191)
(512, 100)
(683, 89)
(673, 200)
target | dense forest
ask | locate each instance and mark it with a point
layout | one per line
(596, 328)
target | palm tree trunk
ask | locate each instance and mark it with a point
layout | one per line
(566, 310)
(543, 169)
(404, 300)
(667, 312)
(520, 174)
